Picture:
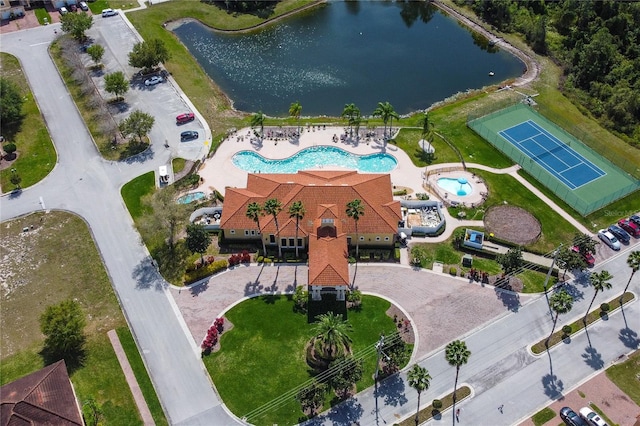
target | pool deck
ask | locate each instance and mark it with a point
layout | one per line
(219, 172)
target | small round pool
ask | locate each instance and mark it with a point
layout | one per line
(313, 158)
(191, 197)
(456, 186)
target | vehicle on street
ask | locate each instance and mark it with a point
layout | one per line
(153, 81)
(588, 257)
(569, 417)
(108, 12)
(591, 417)
(622, 235)
(84, 6)
(635, 219)
(609, 239)
(631, 227)
(188, 135)
(185, 118)
(63, 10)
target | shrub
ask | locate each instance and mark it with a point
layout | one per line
(198, 274)
(400, 192)
(605, 307)
(267, 260)
(245, 257)
(219, 324)
(10, 148)
(453, 271)
(436, 404)
(259, 259)
(396, 254)
(210, 341)
(566, 329)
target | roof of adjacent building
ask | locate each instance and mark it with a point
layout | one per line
(328, 257)
(45, 397)
(314, 188)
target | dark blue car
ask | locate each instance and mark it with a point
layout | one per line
(622, 235)
(635, 219)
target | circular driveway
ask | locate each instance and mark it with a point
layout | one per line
(441, 308)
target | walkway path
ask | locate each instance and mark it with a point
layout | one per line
(143, 408)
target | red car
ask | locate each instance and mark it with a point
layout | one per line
(632, 228)
(587, 257)
(185, 118)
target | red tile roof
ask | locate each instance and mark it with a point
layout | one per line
(45, 397)
(315, 188)
(328, 258)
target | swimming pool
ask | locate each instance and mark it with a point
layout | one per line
(313, 158)
(191, 197)
(457, 186)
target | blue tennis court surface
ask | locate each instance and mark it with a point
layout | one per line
(557, 158)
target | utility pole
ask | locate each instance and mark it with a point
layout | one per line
(555, 257)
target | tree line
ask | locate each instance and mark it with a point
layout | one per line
(597, 43)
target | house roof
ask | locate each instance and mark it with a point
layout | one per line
(314, 188)
(45, 397)
(328, 265)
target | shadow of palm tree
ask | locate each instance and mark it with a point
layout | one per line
(593, 358)
(147, 277)
(510, 299)
(346, 413)
(200, 288)
(629, 338)
(392, 390)
(553, 387)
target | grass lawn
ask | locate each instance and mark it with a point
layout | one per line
(625, 376)
(55, 261)
(408, 139)
(263, 356)
(543, 416)
(36, 154)
(133, 191)
(178, 164)
(41, 13)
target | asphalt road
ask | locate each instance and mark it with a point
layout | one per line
(83, 183)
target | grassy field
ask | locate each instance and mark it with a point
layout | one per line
(625, 376)
(55, 261)
(36, 154)
(133, 191)
(276, 348)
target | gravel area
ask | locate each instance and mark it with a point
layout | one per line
(513, 224)
(440, 307)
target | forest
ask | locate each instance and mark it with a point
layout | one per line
(597, 44)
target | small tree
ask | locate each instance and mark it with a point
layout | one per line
(15, 179)
(257, 119)
(312, 396)
(116, 83)
(586, 245)
(198, 239)
(76, 24)
(300, 299)
(294, 111)
(331, 335)
(511, 260)
(95, 52)
(137, 124)
(397, 353)
(165, 216)
(148, 54)
(63, 325)
(10, 103)
(354, 297)
(92, 412)
(345, 371)
(419, 379)
(10, 148)
(569, 259)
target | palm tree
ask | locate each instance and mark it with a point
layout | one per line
(599, 281)
(456, 354)
(386, 112)
(254, 211)
(355, 209)
(257, 119)
(273, 206)
(352, 113)
(560, 303)
(427, 127)
(634, 263)
(331, 335)
(294, 111)
(297, 211)
(419, 379)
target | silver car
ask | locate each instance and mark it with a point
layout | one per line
(609, 239)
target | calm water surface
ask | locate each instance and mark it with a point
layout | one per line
(409, 54)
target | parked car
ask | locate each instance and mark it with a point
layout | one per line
(622, 235)
(188, 135)
(635, 219)
(185, 118)
(73, 8)
(63, 10)
(609, 239)
(153, 81)
(591, 417)
(108, 12)
(631, 227)
(84, 6)
(569, 417)
(588, 257)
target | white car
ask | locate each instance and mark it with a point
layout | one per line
(83, 6)
(153, 81)
(608, 238)
(591, 417)
(63, 10)
(108, 12)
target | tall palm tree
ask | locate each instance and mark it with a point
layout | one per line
(419, 379)
(352, 113)
(386, 112)
(427, 127)
(456, 354)
(599, 281)
(634, 263)
(297, 211)
(273, 206)
(560, 303)
(257, 119)
(294, 111)
(254, 211)
(355, 210)
(331, 335)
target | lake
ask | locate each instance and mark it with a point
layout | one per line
(363, 52)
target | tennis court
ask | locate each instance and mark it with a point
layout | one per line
(553, 155)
